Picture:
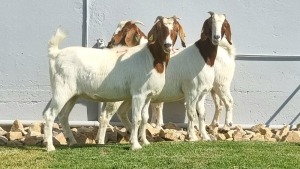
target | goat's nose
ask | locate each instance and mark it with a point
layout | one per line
(217, 37)
(167, 45)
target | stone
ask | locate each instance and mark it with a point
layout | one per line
(170, 126)
(55, 126)
(283, 131)
(258, 137)
(256, 128)
(265, 131)
(59, 139)
(237, 135)
(229, 134)
(220, 136)
(122, 136)
(292, 136)
(150, 130)
(14, 143)
(36, 127)
(298, 127)
(2, 132)
(246, 137)
(240, 129)
(14, 135)
(17, 126)
(270, 139)
(213, 130)
(3, 141)
(169, 135)
(33, 140)
(111, 137)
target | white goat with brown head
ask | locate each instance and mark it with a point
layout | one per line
(190, 75)
(107, 75)
(224, 70)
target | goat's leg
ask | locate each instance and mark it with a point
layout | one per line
(225, 96)
(201, 111)
(64, 120)
(157, 114)
(218, 109)
(107, 111)
(191, 113)
(122, 113)
(138, 102)
(145, 117)
(55, 107)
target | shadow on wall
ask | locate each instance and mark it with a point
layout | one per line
(282, 106)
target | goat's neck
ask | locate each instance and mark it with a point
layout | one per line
(160, 56)
(207, 50)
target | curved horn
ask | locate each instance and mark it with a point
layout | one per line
(211, 13)
(137, 22)
(157, 19)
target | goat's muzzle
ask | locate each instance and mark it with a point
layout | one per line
(167, 47)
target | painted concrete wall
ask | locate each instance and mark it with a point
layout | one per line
(265, 87)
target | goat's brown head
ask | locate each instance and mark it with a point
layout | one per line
(127, 34)
(215, 27)
(160, 42)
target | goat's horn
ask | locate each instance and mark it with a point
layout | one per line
(211, 13)
(137, 22)
(157, 19)
(175, 17)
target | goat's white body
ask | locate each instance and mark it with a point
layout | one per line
(187, 76)
(224, 72)
(101, 75)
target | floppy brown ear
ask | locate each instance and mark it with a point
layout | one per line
(227, 31)
(130, 38)
(182, 35)
(152, 35)
(205, 29)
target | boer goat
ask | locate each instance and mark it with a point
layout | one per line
(107, 75)
(224, 70)
(190, 75)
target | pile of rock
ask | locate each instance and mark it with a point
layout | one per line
(19, 135)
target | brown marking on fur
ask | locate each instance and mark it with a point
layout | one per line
(207, 49)
(156, 38)
(178, 29)
(227, 31)
(130, 35)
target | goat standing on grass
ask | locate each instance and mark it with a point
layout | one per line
(190, 75)
(107, 75)
(128, 34)
(224, 70)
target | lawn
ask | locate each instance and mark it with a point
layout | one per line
(217, 154)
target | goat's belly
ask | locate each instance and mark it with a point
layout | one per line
(168, 96)
(101, 92)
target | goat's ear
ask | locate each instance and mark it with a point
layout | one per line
(205, 30)
(152, 35)
(116, 39)
(181, 35)
(130, 38)
(227, 31)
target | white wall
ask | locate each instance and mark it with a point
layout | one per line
(265, 88)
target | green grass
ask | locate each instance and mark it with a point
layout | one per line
(187, 155)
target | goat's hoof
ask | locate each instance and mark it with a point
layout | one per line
(50, 148)
(136, 146)
(194, 138)
(100, 141)
(226, 128)
(146, 142)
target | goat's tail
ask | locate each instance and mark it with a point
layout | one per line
(56, 39)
